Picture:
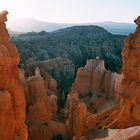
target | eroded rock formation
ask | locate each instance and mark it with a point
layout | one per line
(130, 101)
(126, 121)
(12, 100)
(129, 112)
(41, 107)
(99, 98)
(61, 69)
(95, 85)
(92, 103)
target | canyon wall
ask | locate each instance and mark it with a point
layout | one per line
(12, 100)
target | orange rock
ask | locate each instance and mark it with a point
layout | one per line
(72, 104)
(53, 86)
(80, 122)
(7, 117)
(94, 78)
(12, 110)
(90, 102)
(130, 105)
(5, 67)
(41, 107)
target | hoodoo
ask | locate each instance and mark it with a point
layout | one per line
(102, 105)
(41, 107)
(12, 100)
(93, 99)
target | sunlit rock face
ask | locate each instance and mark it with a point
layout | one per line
(12, 100)
(130, 102)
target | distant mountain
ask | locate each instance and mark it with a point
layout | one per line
(13, 33)
(117, 28)
(33, 25)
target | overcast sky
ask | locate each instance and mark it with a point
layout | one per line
(73, 11)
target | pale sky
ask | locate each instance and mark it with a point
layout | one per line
(73, 11)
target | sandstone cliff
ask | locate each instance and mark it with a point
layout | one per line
(12, 100)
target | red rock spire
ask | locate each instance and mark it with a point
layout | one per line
(12, 100)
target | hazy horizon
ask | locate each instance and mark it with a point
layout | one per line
(71, 11)
(78, 23)
(31, 18)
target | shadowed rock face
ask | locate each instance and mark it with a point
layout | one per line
(12, 100)
(41, 107)
(130, 102)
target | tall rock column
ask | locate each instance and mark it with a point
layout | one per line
(130, 101)
(12, 100)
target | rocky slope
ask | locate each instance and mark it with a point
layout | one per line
(12, 100)
(101, 105)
